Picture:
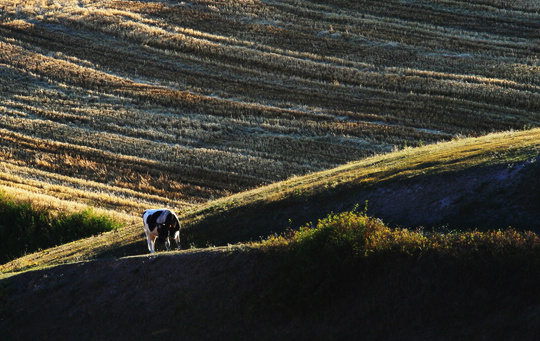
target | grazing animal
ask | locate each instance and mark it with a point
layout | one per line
(161, 224)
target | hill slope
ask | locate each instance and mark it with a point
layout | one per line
(489, 182)
(241, 292)
(130, 104)
(176, 103)
(244, 294)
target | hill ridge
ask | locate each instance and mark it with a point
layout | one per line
(454, 185)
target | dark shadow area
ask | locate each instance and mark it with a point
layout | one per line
(489, 197)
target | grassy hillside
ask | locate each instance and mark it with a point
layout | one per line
(490, 182)
(123, 105)
(349, 276)
(175, 103)
(251, 117)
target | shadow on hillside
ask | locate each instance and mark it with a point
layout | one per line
(251, 295)
(133, 249)
(493, 197)
(489, 197)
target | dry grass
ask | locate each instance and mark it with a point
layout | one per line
(448, 157)
(197, 101)
(238, 114)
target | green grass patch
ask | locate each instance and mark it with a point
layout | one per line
(352, 235)
(317, 258)
(26, 228)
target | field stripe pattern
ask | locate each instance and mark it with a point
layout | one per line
(176, 103)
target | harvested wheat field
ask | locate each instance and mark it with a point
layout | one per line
(128, 104)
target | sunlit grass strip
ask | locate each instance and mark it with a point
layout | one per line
(78, 190)
(459, 154)
(77, 251)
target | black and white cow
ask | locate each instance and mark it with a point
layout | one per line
(161, 224)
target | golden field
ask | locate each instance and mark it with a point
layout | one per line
(130, 104)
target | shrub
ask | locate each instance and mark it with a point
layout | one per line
(338, 236)
(314, 258)
(350, 235)
(26, 228)
(311, 262)
(343, 237)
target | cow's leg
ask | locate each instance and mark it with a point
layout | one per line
(150, 238)
(177, 239)
(167, 244)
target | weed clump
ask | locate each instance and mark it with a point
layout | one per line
(26, 228)
(352, 235)
(314, 259)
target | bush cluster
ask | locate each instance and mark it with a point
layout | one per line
(26, 228)
(314, 260)
(350, 235)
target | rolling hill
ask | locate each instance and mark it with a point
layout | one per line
(252, 117)
(488, 183)
(174, 103)
(463, 289)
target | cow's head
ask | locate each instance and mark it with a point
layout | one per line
(172, 223)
